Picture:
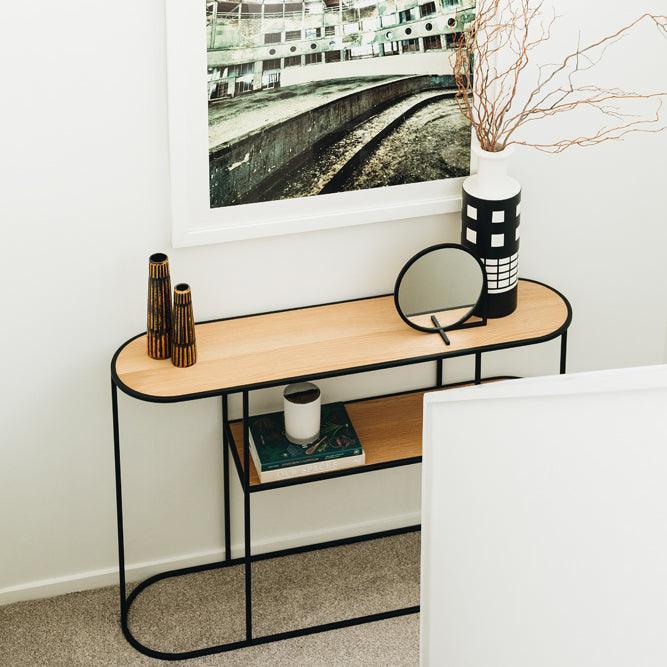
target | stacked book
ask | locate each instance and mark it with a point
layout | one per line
(276, 458)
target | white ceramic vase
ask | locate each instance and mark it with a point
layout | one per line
(491, 216)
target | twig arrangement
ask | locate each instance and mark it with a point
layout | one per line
(491, 63)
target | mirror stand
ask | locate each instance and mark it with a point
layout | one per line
(466, 325)
(440, 330)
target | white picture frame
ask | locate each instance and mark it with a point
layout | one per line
(195, 223)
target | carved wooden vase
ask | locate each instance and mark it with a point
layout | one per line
(158, 325)
(183, 346)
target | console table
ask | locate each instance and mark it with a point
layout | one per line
(242, 354)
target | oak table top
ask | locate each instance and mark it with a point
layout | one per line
(320, 341)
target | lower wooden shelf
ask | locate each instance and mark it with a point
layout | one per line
(389, 428)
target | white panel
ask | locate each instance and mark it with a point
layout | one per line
(545, 525)
(471, 235)
(472, 212)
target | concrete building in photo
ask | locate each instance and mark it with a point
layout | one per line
(259, 45)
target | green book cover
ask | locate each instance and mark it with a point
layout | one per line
(337, 439)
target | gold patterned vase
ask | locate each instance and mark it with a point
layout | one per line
(158, 326)
(183, 346)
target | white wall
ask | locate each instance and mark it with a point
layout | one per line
(84, 200)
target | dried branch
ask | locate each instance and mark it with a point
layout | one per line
(491, 60)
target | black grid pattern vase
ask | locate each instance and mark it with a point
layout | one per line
(490, 229)
(158, 325)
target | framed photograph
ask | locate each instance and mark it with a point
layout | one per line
(302, 115)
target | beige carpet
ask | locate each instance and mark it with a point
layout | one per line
(207, 608)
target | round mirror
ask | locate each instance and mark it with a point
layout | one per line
(440, 288)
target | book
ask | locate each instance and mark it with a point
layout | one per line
(276, 458)
(305, 469)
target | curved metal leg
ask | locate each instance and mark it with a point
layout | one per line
(126, 600)
(119, 505)
(246, 519)
(225, 478)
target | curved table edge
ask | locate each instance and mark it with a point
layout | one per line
(149, 398)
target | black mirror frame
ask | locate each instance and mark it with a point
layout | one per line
(479, 310)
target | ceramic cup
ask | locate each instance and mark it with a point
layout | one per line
(302, 404)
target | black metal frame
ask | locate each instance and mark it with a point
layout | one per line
(478, 307)
(243, 470)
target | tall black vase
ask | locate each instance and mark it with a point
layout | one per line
(158, 324)
(491, 216)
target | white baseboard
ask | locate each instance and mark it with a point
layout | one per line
(90, 579)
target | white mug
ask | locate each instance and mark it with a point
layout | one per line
(302, 403)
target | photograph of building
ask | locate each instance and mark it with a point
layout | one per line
(324, 96)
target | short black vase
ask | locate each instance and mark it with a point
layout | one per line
(183, 345)
(158, 325)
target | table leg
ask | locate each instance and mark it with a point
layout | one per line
(225, 474)
(563, 354)
(119, 506)
(246, 519)
(439, 375)
(478, 368)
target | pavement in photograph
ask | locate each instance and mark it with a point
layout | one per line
(316, 174)
(234, 117)
(431, 144)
